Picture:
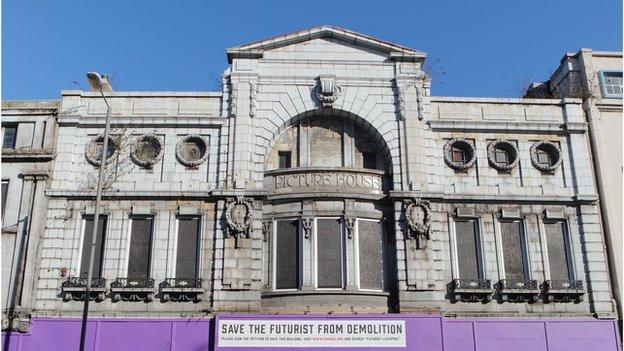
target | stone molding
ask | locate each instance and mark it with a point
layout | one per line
(191, 163)
(327, 91)
(307, 226)
(253, 92)
(509, 147)
(553, 149)
(418, 224)
(349, 225)
(447, 154)
(238, 226)
(134, 152)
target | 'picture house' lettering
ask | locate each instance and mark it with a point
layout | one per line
(369, 182)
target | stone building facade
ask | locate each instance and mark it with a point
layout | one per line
(325, 178)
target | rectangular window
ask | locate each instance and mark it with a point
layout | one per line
(513, 249)
(9, 136)
(370, 253)
(558, 252)
(329, 253)
(98, 258)
(611, 84)
(140, 247)
(188, 247)
(369, 160)
(287, 254)
(468, 249)
(284, 159)
(5, 189)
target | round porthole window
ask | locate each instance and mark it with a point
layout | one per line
(146, 150)
(502, 155)
(192, 150)
(459, 154)
(545, 156)
(93, 151)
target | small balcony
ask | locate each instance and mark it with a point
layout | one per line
(518, 290)
(563, 291)
(182, 289)
(74, 288)
(132, 289)
(472, 290)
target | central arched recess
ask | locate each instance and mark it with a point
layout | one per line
(327, 219)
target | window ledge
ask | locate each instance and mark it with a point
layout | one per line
(324, 292)
(27, 154)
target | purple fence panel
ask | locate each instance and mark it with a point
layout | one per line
(133, 335)
(458, 336)
(582, 335)
(510, 336)
(192, 335)
(56, 334)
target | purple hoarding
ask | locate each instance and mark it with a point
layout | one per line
(422, 332)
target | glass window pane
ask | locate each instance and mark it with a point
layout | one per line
(467, 249)
(329, 253)
(10, 133)
(370, 254)
(284, 159)
(458, 155)
(186, 260)
(287, 255)
(140, 243)
(557, 251)
(512, 250)
(5, 189)
(99, 246)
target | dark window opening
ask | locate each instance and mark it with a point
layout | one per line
(513, 250)
(329, 253)
(369, 160)
(558, 253)
(502, 157)
(98, 258)
(544, 157)
(10, 135)
(287, 255)
(5, 189)
(468, 252)
(140, 247)
(459, 155)
(284, 159)
(188, 247)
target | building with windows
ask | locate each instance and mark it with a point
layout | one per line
(323, 198)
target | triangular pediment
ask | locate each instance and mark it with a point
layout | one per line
(393, 51)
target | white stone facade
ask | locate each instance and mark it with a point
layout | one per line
(379, 88)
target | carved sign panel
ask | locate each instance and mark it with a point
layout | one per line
(328, 181)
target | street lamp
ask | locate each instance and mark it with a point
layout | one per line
(97, 82)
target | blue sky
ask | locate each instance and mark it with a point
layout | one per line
(484, 47)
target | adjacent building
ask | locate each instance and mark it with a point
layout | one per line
(326, 199)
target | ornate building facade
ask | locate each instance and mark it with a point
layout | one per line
(326, 185)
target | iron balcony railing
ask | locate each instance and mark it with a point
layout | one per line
(145, 283)
(475, 284)
(518, 284)
(180, 283)
(81, 282)
(564, 285)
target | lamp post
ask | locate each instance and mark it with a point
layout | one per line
(96, 82)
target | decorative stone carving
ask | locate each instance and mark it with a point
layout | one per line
(519, 291)
(287, 181)
(349, 224)
(418, 217)
(239, 215)
(267, 226)
(202, 149)
(74, 288)
(327, 90)
(146, 150)
(507, 146)
(471, 290)
(467, 147)
(132, 289)
(307, 226)
(181, 290)
(554, 156)
(419, 101)
(16, 319)
(91, 151)
(233, 99)
(252, 99)
(402, 110)
(563, 291)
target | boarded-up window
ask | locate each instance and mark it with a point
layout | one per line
(140, 244)
(325, 137)
(370, 249)
(287, 255)
(329, 253)
(558, 254)
(187, 248)
(513, 249)
(5, 189)
(98, 258)
(467, 248)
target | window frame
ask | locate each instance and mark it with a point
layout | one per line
(274, 253)
(279, 159)
(6, 125)
(150, 263)
(479, 237)
(572, 273)
(83, 224)
(524, 247)
(603, 84)
(343, 265)
(5, 197)
(200, 229)
(384, 280)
